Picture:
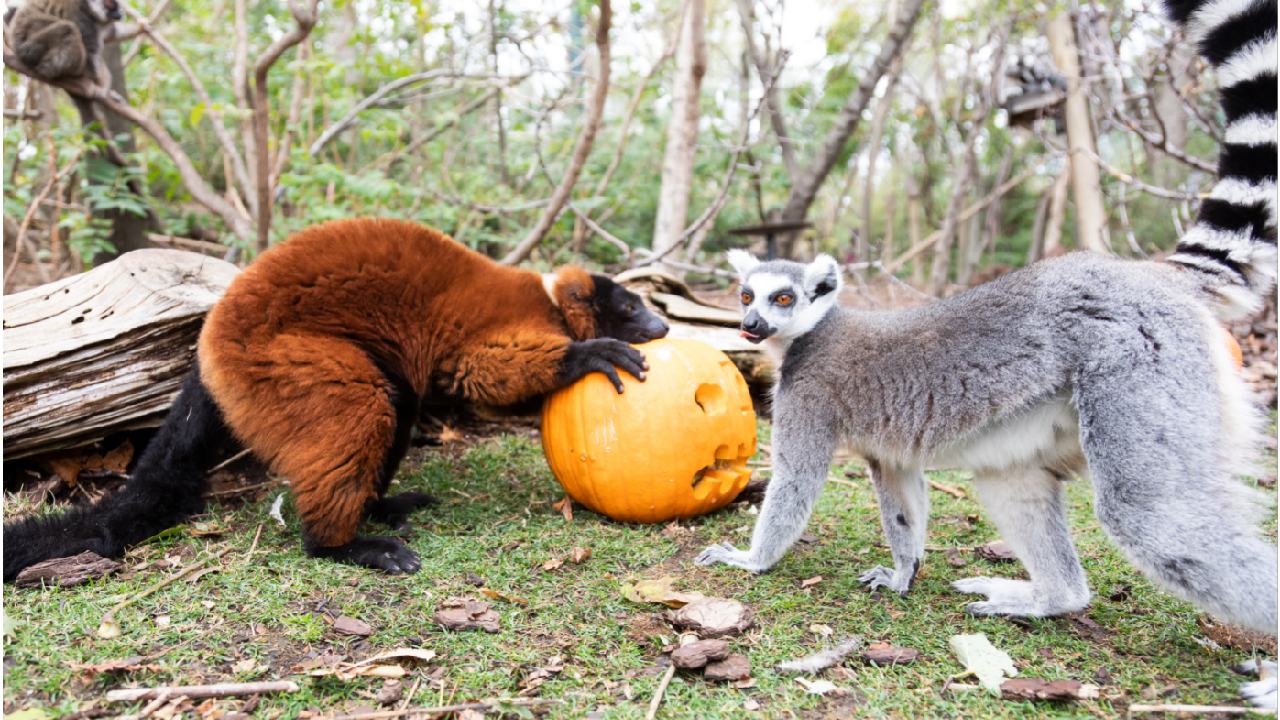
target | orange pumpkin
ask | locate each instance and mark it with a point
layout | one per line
(1233, 347)
(673, 446)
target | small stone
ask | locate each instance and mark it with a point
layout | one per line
(698, 653)
(734, 667)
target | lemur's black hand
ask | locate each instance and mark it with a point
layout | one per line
(602, 355)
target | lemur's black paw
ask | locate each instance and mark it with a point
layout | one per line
(374, 551)
(605, 355)
(394, 510)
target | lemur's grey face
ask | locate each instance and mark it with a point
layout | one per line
(784, 299)
(103, 11)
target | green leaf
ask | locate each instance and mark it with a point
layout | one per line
(197, 112)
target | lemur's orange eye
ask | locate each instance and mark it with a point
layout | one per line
(746, 298)
(784, 299)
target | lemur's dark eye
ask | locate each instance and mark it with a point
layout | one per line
(747, 298)
(784, 299)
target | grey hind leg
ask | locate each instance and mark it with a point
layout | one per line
(1028, 509)
(903, 497)
(1196, 545)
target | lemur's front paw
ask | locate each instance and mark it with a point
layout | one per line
(1260, 693)
(728, 555)
(880, 576)
(605, 355)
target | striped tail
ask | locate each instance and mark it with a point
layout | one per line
(1232, 246)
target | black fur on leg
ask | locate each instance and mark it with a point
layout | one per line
(165, 489)
(394, 510)
(371, 551)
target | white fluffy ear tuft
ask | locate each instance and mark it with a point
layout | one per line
(742, 261)
(822, 276)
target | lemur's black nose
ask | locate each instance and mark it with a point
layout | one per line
(754, 324)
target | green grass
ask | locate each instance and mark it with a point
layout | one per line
(495, 521)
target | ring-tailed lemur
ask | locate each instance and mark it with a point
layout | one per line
(1083, 362)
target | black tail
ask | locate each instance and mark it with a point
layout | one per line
(1232, 246)
(166, 488)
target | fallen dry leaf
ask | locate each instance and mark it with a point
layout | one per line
(658, 591)
(996, 551)
(983, 659)
(750, 705)
(67, 571)
(496, 595)
(565, 506)
(698, 653)
(467, 614)
(713, 617)
(955, 559)
(580, 555)
(552, 564)
(818, 687)
(247, 666)
(129, 664)
(351, 626)
(1236, 637)
(1037, 689)
(108, 628)
(810, 582)
(821, 630)
(735, 667)
(1087, 628)
(883, 654)
(449, 435)
(391, 692)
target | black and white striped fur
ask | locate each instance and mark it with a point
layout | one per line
(1233, 243)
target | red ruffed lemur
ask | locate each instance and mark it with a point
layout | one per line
(317, 360)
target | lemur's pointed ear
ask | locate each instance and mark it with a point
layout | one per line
(821, 277)
(741, 261)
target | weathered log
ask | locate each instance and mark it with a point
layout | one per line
(103, 351)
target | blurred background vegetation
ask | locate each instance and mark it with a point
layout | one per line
(466, 116)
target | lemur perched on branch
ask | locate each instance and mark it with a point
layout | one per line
(317, 359)
(62, 40)
(1086, 364)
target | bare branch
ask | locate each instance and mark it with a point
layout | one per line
(590, 125)
(805, 188)
(21, 240)
(304, 15)
(776, 119)
(195, 183)
(239, 170)
(1161, 142)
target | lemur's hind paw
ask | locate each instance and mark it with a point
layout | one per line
(1004, 596)
(377, 552)
(1018, 598)
(1260, 693)
(727, 554)
(394, 510)
(880, 576)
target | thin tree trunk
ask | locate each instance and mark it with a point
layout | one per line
(1057, 211)
(878, 120)
(914, 213)
(587, 137)
(1091, 219)
(128, 230)
(887, 248)
(776, 120)
(682, 132)
(497, 98)
(804, 188)
(1035, 250)
(942, 249)
(984, 232)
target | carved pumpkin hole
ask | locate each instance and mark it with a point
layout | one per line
(710, 397)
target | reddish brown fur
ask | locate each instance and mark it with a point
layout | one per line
(292, 352)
